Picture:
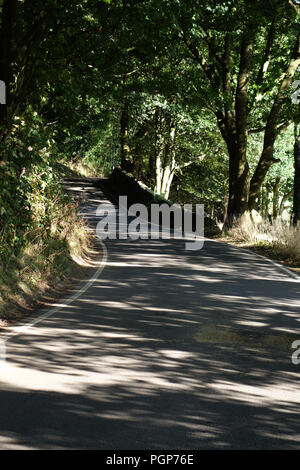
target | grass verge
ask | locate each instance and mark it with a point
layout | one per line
(278, 241)
(53, 250)
(43, 266)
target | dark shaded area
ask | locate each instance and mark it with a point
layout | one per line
(121, 183)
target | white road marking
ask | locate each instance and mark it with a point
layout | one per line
(281, 268)
(17, 330)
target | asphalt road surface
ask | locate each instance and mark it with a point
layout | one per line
(162, 349)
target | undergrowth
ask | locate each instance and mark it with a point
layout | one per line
(41, 235)
(279, 236)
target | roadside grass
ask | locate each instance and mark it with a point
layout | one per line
(49, 253)
(278, 240)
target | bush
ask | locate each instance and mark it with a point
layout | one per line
(41, 234)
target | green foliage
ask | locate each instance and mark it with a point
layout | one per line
(70, 67)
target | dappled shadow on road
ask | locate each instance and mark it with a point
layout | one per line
(161, 401)
(168, 349)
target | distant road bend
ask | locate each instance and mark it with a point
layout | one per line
(165, 349)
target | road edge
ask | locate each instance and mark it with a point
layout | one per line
(16, 330)
(287, 271)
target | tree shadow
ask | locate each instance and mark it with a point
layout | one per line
(168, 349)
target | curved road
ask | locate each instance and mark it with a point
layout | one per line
(165, 349)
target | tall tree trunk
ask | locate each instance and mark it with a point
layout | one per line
(285, 198)
(138, 155)
(151, 175)
(267, 156)
(276, 207)
(165, 155)
(296, 202)
(169, 164)
(124, 130)
(238, 184)
(237, 136)
(159, 151)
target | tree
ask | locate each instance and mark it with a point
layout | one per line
(247, 77)
(296, 202)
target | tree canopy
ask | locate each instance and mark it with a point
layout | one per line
(193, 98)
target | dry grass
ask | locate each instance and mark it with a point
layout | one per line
(279, 240)
(47, 258)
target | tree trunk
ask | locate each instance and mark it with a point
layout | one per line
(151, 175)
(170, 163)
(137, 154)
(159, 151)
(276, 207)
(165, 156)
(238, 185)
(267, 157)
(285, 198)
(237, 136)
(296, 202)
(124, 130)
